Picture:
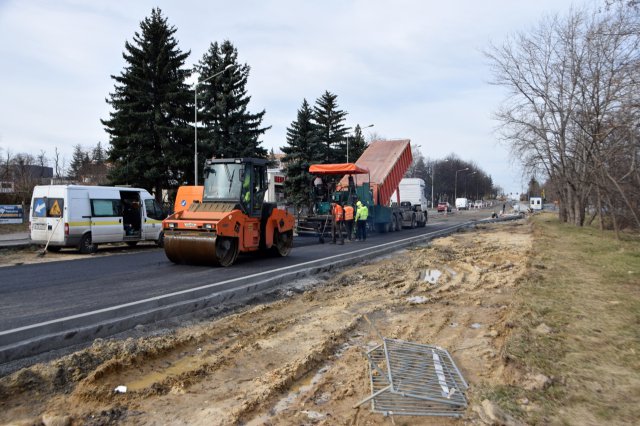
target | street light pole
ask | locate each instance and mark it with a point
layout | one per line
(365, 127)
(195, 120)
(455, 191)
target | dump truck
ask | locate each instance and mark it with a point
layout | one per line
(231, 217)
(371, 179)
(387, 161)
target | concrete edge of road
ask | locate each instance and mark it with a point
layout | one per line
(35, 339)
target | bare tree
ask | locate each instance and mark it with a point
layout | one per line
(570, 80)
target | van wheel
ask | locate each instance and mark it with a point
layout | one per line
(160, 240)
(132, 243)
(86, 245)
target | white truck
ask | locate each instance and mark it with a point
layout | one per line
(275, 188)
(85, 216)
(462, 204)
(413, 202)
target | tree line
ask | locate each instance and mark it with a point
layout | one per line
(572, 110)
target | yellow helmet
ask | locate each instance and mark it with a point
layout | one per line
(358, 203)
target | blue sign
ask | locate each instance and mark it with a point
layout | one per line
(11, 213)
(40, 207)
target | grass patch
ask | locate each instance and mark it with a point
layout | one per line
(584, 286)
(10, 228)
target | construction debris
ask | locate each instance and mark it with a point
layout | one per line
(412, 379)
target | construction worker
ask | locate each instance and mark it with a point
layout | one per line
(362, 213)
(348, 220)
(246, 198)
(337, 223)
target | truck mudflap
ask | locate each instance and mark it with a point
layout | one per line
(200, 248)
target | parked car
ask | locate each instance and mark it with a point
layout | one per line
(444, 206)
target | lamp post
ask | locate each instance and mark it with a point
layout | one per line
(433, 181)
(195, 121)
(455, 190)
(365, 127)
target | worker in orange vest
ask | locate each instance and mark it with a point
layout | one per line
(348, 220)
(337, 223)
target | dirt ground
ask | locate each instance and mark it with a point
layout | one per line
(299, 359)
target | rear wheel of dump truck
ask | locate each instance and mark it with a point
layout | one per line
(282, 243)
(86, 246)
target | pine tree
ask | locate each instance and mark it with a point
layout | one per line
(331, 129)
(229, 129)
(77, 163)
(150, 134)
(303, 149)
(98, 166)
(98, 154)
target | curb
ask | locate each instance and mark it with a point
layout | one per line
(35, 339)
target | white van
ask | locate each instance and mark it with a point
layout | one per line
(535, 203)
(462, 204)
(85, 216)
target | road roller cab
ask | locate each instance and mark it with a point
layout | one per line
(232, 217)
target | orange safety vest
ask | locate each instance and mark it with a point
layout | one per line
(348, 213)
(338, 213)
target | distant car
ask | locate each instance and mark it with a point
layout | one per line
(444, 207)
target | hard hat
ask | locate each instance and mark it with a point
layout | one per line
(358, 203)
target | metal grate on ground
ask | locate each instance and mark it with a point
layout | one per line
(413, 379)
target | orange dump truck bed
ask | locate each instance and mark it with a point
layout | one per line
(387, 162)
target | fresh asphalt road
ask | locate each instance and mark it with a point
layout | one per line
(31, 294)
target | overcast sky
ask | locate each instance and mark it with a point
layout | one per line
(414, 69)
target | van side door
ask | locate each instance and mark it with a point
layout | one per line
(106, 220)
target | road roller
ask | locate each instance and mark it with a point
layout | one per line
(230, 218)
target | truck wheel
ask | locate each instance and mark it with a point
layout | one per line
(160, 240)
(86, 246)
(397, 223)
(413, 222)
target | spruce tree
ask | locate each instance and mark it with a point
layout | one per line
(331, 129)
(228, 128)
(303, 149)
(77, 163)
(150, 134)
